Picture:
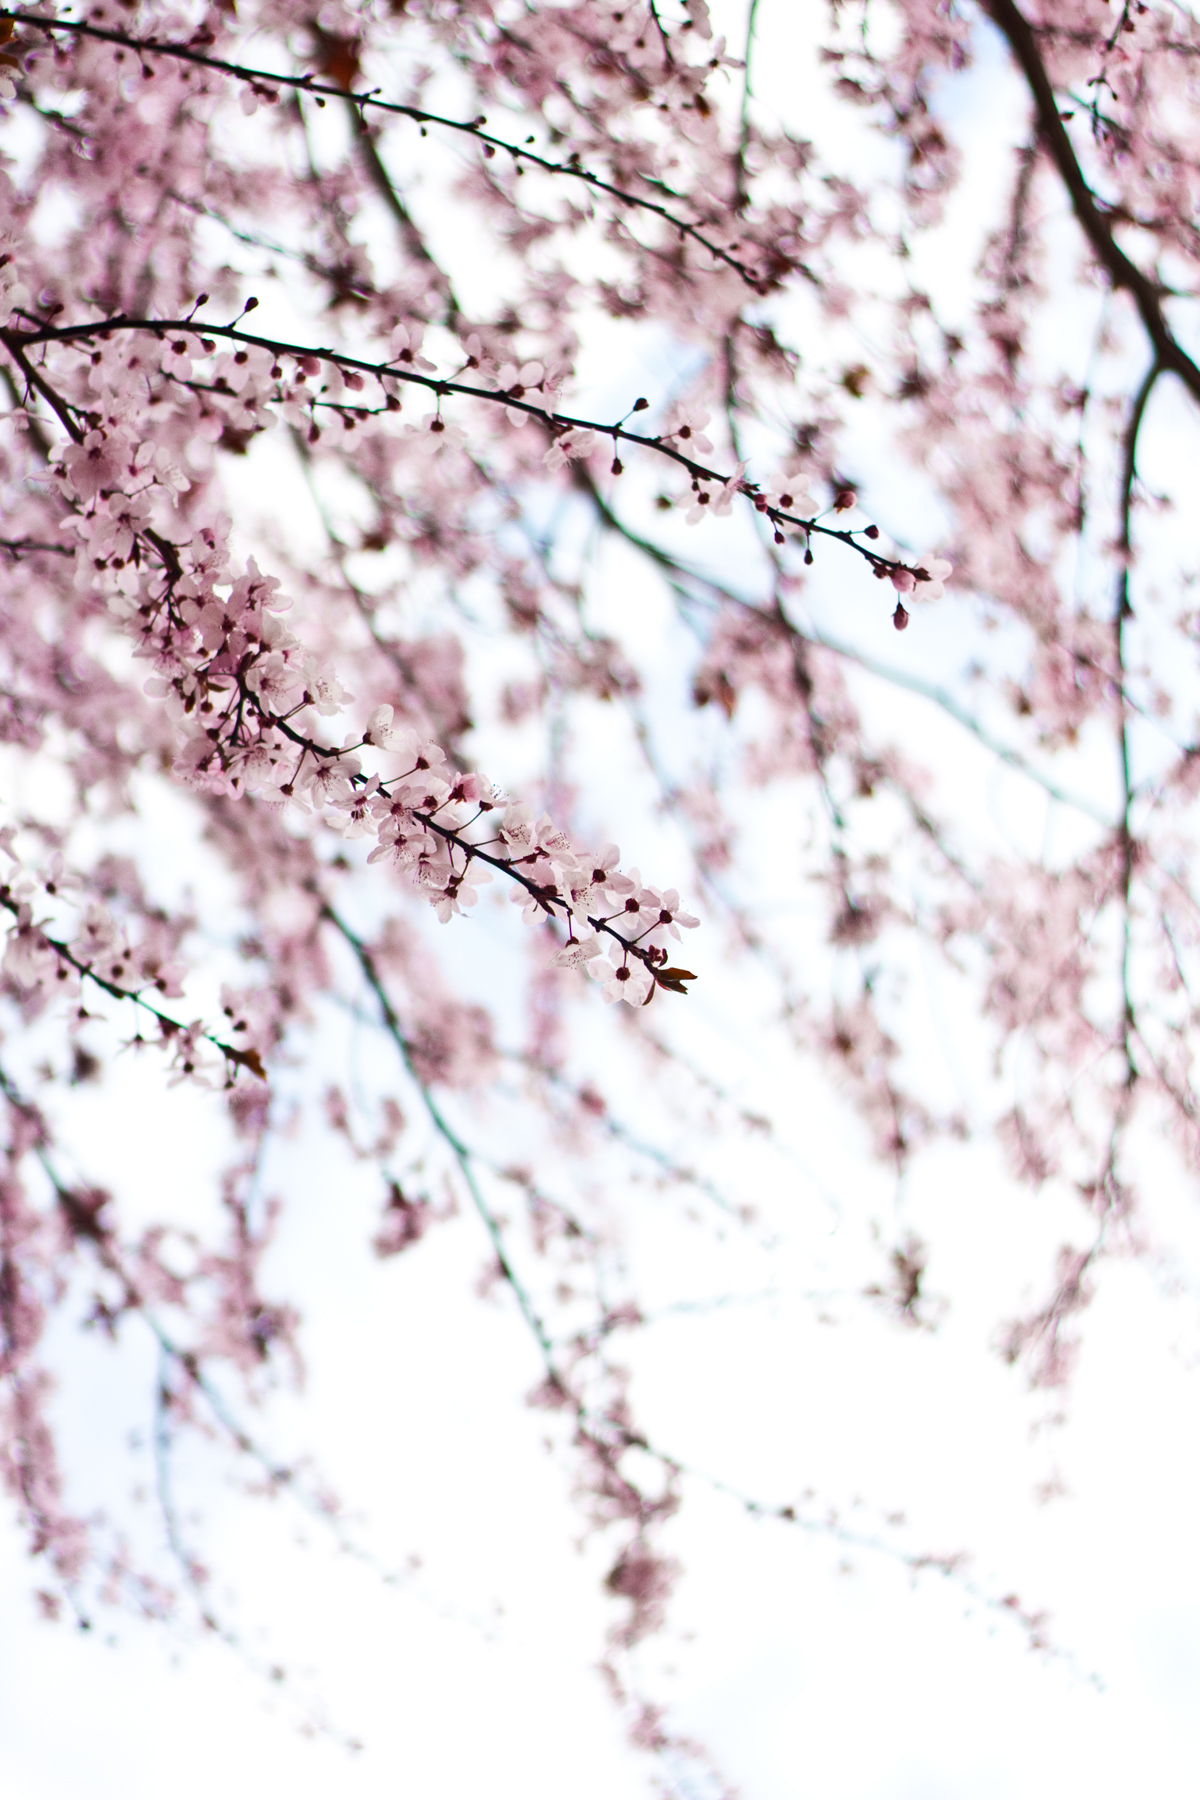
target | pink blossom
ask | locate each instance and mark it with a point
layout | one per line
(568, 444)
(685, 423)
(932, 585)
(576, 953)
(670, 915)
(406, 347)
(621, 980)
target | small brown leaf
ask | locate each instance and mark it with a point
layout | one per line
(673, 979)
(247, 1059)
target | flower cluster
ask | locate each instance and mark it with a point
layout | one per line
(238, 683)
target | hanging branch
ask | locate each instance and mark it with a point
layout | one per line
(557, 423)
(265, 80)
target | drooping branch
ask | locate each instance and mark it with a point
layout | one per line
(557, 423)
(611, 1438)
(266, 80)
(1146, 293)
(683, 579)
(170, 1028)
(1122, 612)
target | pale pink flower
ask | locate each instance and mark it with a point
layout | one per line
(406, 347)
(322, 685)
(177, 358)
(436, 436)
(274, 680)
(379, 729)
(669, 915)
(697, 12)
(685, 423)
(626, 981)
(573, 443)
(519, 829)
(938, 571)
(576, 953)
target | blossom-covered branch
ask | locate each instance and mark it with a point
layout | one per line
(264, 85)
(571, 436)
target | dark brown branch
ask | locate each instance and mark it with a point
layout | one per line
(557, 423)
(1122, 272)
(548, 898)
(41, 386)
(1122, 612)
(28, 546)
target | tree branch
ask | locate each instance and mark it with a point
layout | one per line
(558, 423)
(1122, 272)
(308, 84)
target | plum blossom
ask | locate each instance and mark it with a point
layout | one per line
(520, 383)
(576, 952)
(519, 829)
(331, 783)
(177, 359)
(789, 493)
(716, 501)
(14, 292)
(932, 586)
(323, 687)
(621, 980)
(514, 380)
(670, 915)
(100, 461)
(353, 814)
(155, 462)
(406, 348)
(637, 910)
(236, 370)
(379, 728)
(597, 883)
(475, 789)
(685, 423)
(275, 680)
(697, 11)
(436, 436)
(569, 444)
(477, 357)
(461, 891)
